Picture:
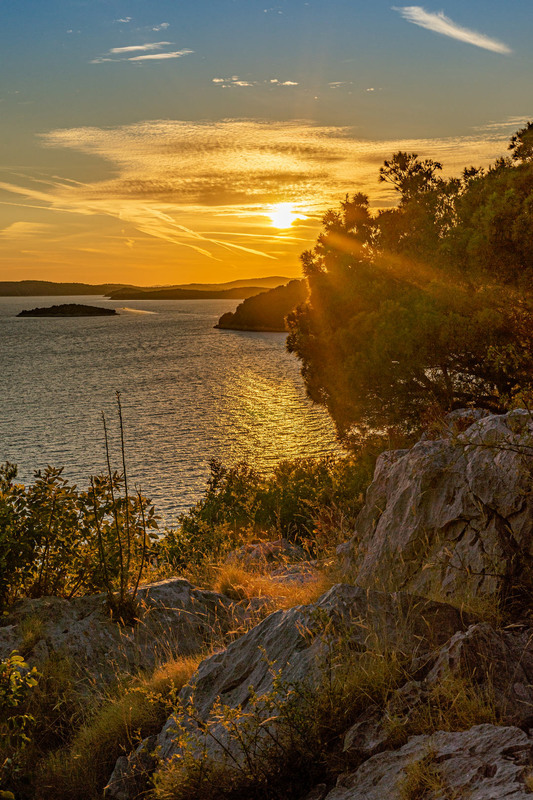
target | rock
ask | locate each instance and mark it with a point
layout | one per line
(452, 515)
(304, 572)
(499, 661)
(484, 763)
(174, 619)
(299, 644)
(264, 554)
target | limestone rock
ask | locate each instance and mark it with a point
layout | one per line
(500, 661)
(264, 554)
(298, 643)
(452, 515)
(483, 763)
(174, 619)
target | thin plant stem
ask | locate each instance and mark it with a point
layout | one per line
(103, 558)
(143, 555)
(115, 510)
(128, 532)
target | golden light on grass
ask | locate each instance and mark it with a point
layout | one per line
(282, 215)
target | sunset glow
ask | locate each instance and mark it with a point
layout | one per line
(135, 150)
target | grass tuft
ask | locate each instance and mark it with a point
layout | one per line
(82, 769)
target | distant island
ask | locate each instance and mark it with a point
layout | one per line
(30, 288)
(68, 310)
(266, 311)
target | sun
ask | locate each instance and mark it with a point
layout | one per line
(282, 215)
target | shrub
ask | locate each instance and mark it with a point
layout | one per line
(307, 501)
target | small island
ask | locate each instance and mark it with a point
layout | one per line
(68, 310)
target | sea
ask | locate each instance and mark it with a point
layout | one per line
(189, 392)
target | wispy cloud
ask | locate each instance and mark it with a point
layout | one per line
(236, 82)
(19, 230)
(162, 27)
(439, 23)
(120, 54)
(208, 186)
(124, 19)
(148, 46)
(162, 56)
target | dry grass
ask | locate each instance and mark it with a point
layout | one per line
(241, 584)
(81, 770)
(422, 780)
(528, 780)
(454, 704)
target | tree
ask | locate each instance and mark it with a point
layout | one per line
(522, 144)
(380, 345)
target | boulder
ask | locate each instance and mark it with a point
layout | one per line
(485, 762)
(174, 619)
(451, 516)
(261, 555)
(301, 644)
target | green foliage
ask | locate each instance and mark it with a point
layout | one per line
(58, 540)
(293, 502)
(414, 311)
(17, 681)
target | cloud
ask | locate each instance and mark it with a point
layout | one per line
(202, 185)
(235, 81)
(439, 23)
(124, 19)
(162, 27)
(19, 230)
(132, 48)
(122, 53)
(161, 56)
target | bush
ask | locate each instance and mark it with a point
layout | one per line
(307, 501)
(57, 540)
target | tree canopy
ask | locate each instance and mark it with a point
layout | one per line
(425, 307)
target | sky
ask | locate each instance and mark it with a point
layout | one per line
(172, 142)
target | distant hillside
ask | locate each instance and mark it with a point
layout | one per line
(264, 283)
(50, 288)
(243, 288)
(184, 294)
(266, 311)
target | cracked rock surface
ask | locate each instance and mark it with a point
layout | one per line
(453, 515)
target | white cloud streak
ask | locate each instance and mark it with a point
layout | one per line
(143, 47)
(162, 56)
(439, 23)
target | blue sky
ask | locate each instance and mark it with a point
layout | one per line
(150, 141)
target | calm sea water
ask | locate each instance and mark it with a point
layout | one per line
(189, 393)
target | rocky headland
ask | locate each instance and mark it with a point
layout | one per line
(410, 679)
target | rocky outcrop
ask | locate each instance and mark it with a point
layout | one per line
(298, 644)
(483, 763)
(174, 618)
(452, 516)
